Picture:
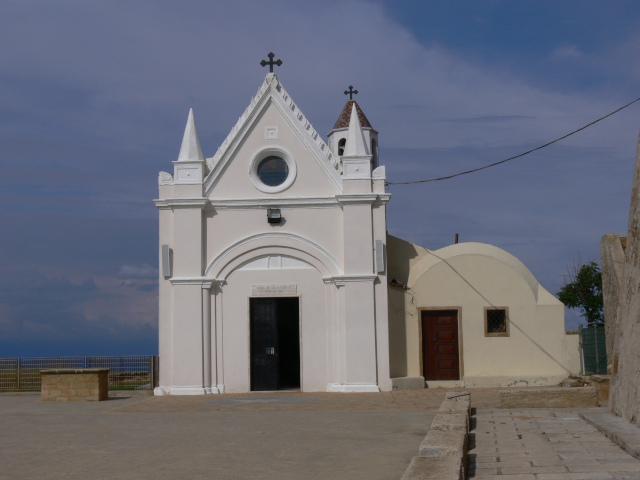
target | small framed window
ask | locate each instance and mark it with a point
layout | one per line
(496, 322)
(272, 170)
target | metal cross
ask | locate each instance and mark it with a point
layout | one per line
(271, 63)
(351, 92)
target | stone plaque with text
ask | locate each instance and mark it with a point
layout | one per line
(273, 290)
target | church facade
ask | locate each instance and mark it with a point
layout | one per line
(273, 258)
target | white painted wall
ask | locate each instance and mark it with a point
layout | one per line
(234, 181)
(322, 224)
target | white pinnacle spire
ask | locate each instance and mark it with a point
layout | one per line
(355, 145)
(190, 149)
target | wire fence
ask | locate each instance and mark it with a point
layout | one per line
(136, 372)
(593, 349)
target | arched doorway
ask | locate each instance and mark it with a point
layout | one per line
(275, 343)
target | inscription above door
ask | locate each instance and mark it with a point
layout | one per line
(274, 290)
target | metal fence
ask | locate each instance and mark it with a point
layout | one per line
(22, 374)
(593, 349)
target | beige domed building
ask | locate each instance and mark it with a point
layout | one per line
(473, 315)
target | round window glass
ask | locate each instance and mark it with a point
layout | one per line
(273, 171)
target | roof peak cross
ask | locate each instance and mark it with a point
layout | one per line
(351, 92)
(271, 63)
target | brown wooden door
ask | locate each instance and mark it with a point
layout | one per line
(440, 360)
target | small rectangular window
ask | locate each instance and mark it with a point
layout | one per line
(496, 321)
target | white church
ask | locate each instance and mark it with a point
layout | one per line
(277, 273)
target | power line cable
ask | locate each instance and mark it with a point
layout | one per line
(515, 156)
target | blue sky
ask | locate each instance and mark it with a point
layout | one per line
(95, 96)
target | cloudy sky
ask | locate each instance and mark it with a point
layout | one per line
(94, 97)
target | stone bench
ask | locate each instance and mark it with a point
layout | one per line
(456, 402)
(439, 443)
(434, 468)
(556, 397)
(74, 385)
(448, 422)
(443, 452)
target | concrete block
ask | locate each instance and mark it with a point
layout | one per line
(557, 397)
(455, 406)
(458, 396)
(450, 421)
(75, 384)
(439, 443)
(439, 468)
(407, 383)
(601, 384)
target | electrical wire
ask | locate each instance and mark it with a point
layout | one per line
(515, 156)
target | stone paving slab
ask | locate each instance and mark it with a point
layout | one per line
(544, 444)
(617, 429)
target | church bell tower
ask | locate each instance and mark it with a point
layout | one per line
(338, 135)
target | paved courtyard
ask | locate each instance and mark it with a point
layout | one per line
(254, 436)
(291, 435)
(544, 444)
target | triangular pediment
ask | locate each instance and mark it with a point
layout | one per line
(272, 95)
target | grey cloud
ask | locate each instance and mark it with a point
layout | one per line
(48, 293)
(133, 271)
(568, 52)
(49, 303)
(95, 100)
(148, 287)
(486, 118)
(43, 315)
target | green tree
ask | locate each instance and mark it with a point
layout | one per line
(583, 289)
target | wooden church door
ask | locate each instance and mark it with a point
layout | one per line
(274, 343)
(440, 359)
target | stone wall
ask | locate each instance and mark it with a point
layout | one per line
(443, 452)
(64, 385)
(612, 268)
(558, 397)
(624, 397)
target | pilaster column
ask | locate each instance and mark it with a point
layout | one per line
(188, 344)
(206, 336)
